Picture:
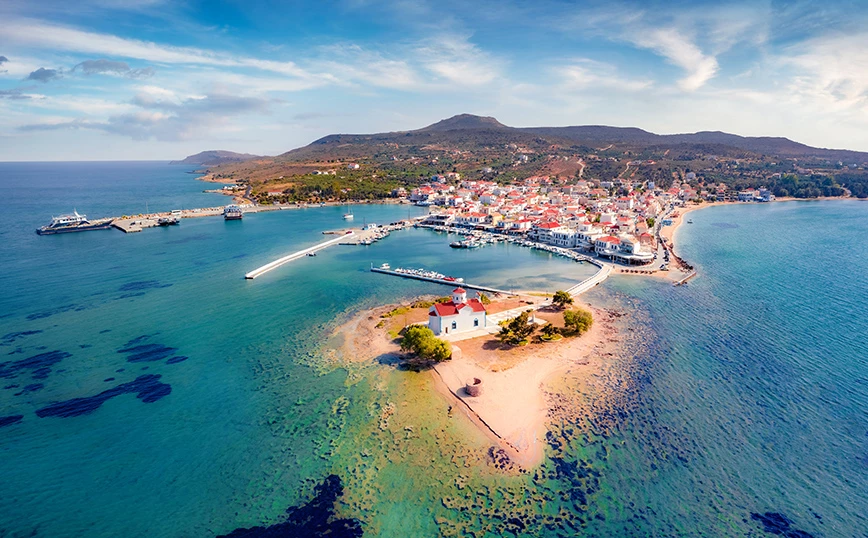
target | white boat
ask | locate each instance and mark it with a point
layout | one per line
(232, 212)
(73, 223)
(349, 214)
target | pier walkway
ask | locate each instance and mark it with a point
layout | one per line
(441, 281)
(585, 285)
(294, 256)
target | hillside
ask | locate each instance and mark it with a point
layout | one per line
(215, 157)
(480, 147)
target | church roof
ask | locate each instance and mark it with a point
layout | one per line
(452, 309)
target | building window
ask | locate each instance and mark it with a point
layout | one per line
(476, 322)
(454, 325)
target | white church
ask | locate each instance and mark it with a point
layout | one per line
(458, 315)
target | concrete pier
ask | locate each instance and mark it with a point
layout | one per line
(294, 256)
(440, 281)
(589, 283)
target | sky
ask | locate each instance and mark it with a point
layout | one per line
(158, 79)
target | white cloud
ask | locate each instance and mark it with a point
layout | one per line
(832, 70)
(589, 75)
(680, 51)
(38, 34)
(457, 61)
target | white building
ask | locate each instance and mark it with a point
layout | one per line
(563, 237)
(458, 315)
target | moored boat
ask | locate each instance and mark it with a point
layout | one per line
(73, 223)
(232, 212)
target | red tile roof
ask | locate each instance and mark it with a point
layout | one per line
(451, 309)
(459, 290)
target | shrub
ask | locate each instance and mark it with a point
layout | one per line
(517, 330)
(562, 299)
(578, 321)
(422, 342)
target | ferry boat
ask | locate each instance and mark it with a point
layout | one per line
(73, 223)
(232, 212)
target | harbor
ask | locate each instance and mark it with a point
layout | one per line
(447, 281)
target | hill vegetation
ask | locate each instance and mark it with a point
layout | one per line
(215, 157)
(482, 148)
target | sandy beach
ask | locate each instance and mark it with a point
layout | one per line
(516, 381)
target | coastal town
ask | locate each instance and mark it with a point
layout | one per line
(583, 217)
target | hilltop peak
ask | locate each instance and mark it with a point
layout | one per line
(465, 121)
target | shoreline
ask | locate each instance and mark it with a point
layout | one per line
(515, 406)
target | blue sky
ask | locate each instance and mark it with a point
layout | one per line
(152, 79)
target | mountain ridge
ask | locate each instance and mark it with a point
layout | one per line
(482, 131)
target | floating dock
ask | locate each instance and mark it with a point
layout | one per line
(295, 255)
(441, 281)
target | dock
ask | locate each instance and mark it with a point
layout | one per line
(589, 283)
(441, 281)
(295, 255)
(684, 280)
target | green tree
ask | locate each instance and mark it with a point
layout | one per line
(421, 341)
(549, 332)
(578, 321)
(517, 330)
(650, 222)
(561, 299)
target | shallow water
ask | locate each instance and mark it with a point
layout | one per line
(742, 393)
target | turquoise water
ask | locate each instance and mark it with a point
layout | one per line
(743, 392)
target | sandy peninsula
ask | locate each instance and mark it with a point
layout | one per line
(513, 407)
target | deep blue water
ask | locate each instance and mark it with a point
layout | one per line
(749, 395)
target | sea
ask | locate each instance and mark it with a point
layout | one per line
(148, 390)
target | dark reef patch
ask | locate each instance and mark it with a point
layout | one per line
(108, 379)
(314, 518)
(58, 310)
(775, 523)
(10, 420)
(11, 337)
(148, 352)
(39, 365)
(176, 360)
(131, 295)
(84, 346)
(143, 285)
(137, 340)
(33, 387)
(149, 389)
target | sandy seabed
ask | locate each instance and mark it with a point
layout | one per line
(518, 394)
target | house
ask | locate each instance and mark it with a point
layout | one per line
(353, 166)
(458, 315)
